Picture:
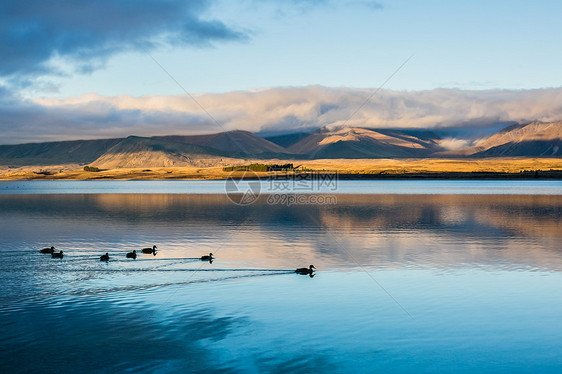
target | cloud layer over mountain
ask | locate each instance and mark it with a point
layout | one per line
(292, 108)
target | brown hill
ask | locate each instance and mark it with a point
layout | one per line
(530, 140)
(55, 153)
(238, 142)
(363, 143)
(287, 140)
(535, 139)
(138, 152)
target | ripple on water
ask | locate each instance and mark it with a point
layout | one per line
(476, 273)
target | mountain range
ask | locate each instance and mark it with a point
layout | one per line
(525, 140)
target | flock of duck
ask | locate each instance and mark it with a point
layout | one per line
(52, 251)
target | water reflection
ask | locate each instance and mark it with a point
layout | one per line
(114, 338)
(477, 273)
(377, 230)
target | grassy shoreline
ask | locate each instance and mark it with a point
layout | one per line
(504, 168)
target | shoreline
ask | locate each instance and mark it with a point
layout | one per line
(346, 169)
(542, 175)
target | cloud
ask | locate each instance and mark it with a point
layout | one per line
(455, 143)
(33, 33)
(273, 109)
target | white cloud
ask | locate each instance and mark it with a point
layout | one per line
(455, 143)
(95, 116)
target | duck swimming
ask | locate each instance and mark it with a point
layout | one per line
(305, 271)
(132, 254)
(104, 257)
(57, 255)
(47, 250)
(150, 250)
(207, 258)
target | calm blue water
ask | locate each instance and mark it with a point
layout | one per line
(543, 187)
(406, 282)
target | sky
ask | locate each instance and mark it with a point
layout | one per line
(81, 69)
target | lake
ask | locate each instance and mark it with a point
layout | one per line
(412, 276)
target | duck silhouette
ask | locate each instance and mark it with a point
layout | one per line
(104, 257)
(150, 250)
(48, 250)
(306, 271)
(57, 255)
(132, 254)
(207, 258)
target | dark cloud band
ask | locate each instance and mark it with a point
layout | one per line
(86, 33)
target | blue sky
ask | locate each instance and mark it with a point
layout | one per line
(465, 44)
(66, 49)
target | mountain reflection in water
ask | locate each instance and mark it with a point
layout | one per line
(478, 273)
(493, 228)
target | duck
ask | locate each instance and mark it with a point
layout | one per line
(150, 250)
(47, 250)
(57, 255)
(305, 271)
(104, 257)
(132, 254)
(207, 258)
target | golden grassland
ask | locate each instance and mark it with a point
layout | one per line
(342, 166)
